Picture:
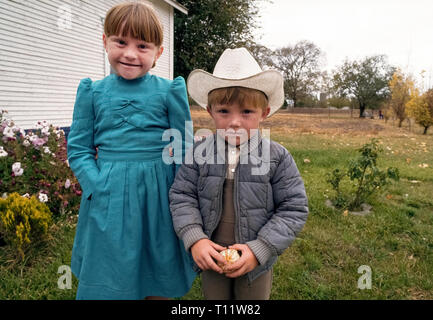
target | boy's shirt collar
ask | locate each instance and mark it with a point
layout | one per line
(245, 148)
(219, 148)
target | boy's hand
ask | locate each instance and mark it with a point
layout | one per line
(245, 264)
(204, 252)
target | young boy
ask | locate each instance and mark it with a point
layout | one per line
(237, 189)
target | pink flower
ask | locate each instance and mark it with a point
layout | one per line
(7, 131)
(45, 131)
(38, 142)
(67, 184)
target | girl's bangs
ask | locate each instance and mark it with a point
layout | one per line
(139, 22)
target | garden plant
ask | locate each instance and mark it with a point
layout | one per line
(365, 176)
(33, 166)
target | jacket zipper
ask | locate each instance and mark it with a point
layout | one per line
(220, 203)
(236, 205)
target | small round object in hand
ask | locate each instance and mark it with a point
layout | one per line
(230, 255)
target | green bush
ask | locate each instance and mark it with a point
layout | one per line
(23, 221)
(366, 178)
(35, 163)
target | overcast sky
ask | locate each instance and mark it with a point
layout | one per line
(401, 29)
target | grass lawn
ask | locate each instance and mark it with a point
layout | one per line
(395, 241)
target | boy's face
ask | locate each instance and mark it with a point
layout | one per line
(237, 121)
(129, 57)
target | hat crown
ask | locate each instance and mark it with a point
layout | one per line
(236, 64)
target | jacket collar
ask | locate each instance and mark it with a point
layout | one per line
(220, 146)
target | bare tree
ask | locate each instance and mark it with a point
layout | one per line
(262, 54)
(300, 65)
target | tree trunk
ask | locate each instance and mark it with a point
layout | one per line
(361, 110)
(400, 122)
(425, 130)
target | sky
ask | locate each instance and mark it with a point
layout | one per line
(354, 29)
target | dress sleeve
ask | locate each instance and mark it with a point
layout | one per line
(179, 116)
(81, 148)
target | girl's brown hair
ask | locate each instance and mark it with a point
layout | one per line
(135, 19)
(240, 95)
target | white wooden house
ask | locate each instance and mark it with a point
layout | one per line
(47, 46)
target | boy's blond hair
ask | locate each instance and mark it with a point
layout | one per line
(136, 19)
(240, 95)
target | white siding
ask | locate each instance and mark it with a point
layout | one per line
(164, 66)
(41, 63)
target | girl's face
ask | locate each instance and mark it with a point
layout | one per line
(129, 57)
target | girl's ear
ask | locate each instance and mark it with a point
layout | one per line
(159, 53)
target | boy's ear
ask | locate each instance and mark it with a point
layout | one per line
(266, 112)
(209, 110)
(104, 40)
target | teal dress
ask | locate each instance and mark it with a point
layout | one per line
(125, 246)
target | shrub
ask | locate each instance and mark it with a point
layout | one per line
(23, 221)
(364, 175)
(35, 163)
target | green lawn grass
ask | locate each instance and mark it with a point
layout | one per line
(395, 240)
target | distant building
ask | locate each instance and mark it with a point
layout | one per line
(48, 46)
(322, 97)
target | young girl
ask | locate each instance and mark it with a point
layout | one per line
(125, 246)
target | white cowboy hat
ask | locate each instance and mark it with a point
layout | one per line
(237, 68)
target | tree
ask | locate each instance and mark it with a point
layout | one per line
(262, 54)
(421, 109)
(339, 102)
(209, 28)
(366, 80)
(402, 89)
(300, 65)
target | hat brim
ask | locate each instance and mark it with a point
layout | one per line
(200, 83)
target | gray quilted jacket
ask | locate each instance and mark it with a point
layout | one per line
(270, 202)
